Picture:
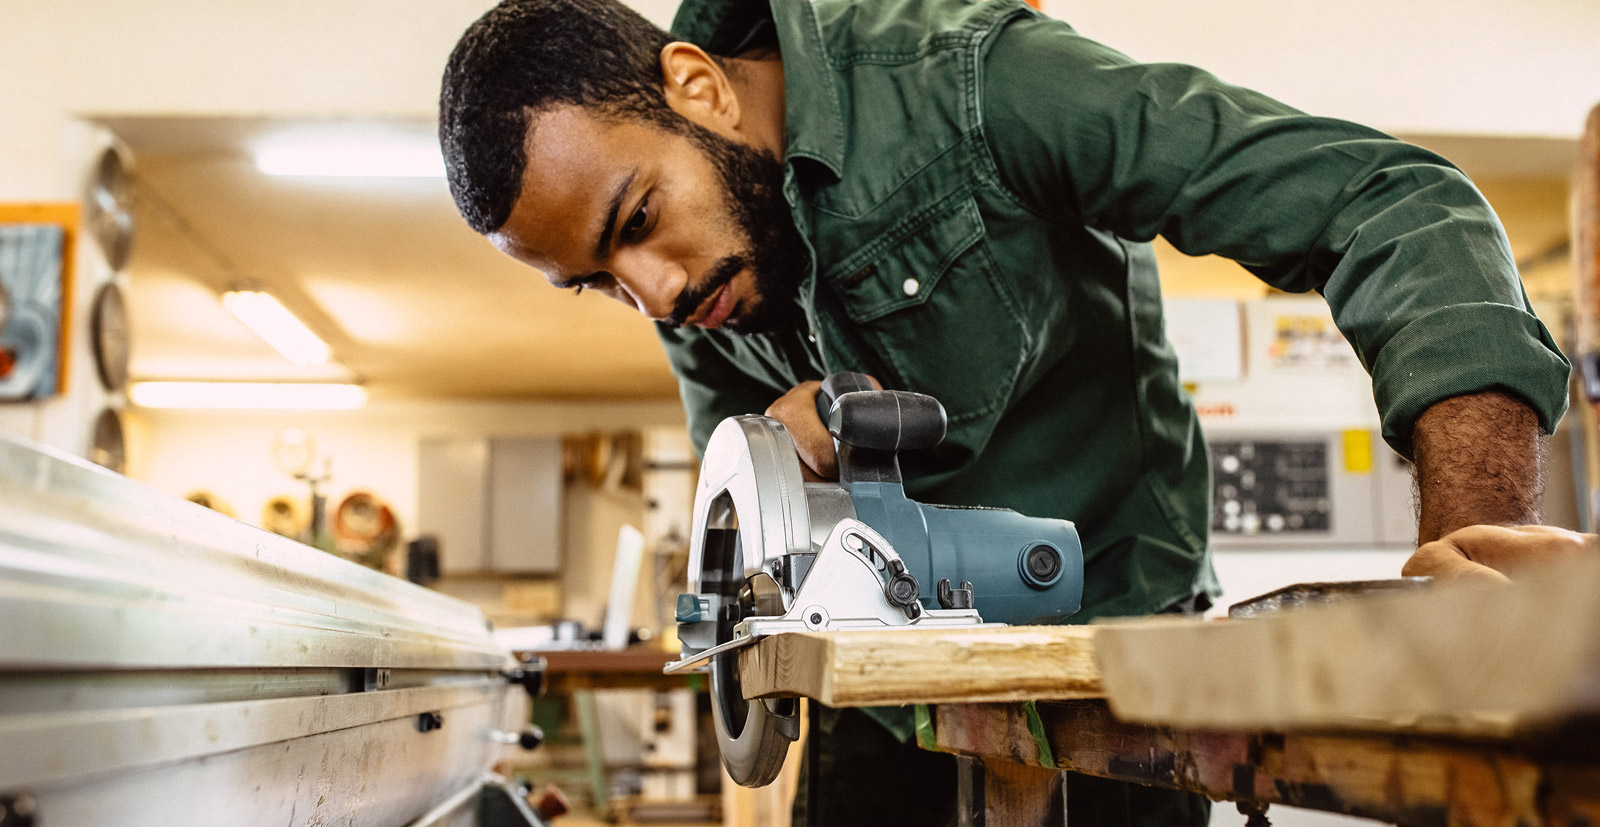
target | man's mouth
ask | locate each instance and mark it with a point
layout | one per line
(711, 304)
(720, 307)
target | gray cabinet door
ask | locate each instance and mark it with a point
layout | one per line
(452, 494)
(525, 505)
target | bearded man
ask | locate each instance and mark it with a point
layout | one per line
(957, 198)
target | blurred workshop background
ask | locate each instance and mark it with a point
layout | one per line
(249, 191)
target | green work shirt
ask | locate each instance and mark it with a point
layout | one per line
(979, 185)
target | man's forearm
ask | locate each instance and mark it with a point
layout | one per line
(1478, 461)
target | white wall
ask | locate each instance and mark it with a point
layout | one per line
(1423, 66)
(1470, 66)
(239, 57)
(373, 449)
(1473, 67)
(65, 61)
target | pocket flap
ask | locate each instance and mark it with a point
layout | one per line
(902, 267)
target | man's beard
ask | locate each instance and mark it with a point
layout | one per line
(774, 252)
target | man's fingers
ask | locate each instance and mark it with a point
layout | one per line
(1489, 552)
(797, 410)
(1444, 562)
(1505, 548)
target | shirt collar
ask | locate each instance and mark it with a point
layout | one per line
(813, 125)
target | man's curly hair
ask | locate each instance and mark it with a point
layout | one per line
(524, 57)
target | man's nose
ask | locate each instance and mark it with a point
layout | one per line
(654, 288)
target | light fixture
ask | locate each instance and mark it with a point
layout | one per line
(263, 396)
(277, 326)
(410, 159)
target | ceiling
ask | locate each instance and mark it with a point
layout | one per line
(412, 301)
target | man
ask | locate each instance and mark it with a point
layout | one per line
(956, 198)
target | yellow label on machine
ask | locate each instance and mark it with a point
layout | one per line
(1358, 452)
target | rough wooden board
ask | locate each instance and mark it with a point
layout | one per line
(923, 666)
(1404, 779)
(1530, 651)
(1586, 237)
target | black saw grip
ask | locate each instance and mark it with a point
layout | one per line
(862, 417)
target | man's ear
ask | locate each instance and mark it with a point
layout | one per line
(698, 89)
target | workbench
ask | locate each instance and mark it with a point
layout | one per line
(579, 672)
(1469, 706)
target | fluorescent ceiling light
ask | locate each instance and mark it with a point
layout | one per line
(410, 159)
(277, 326)
(264, 396)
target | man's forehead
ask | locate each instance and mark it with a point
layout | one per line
(575, 164)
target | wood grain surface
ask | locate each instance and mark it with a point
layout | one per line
(922, 666)
(1404, 779)
(1586, 237)
(1451, 658)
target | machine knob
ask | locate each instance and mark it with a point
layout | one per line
(1041, 565)
(528, 739)
(17, 811)
(902, 590)
(430, 721)
(529, 675)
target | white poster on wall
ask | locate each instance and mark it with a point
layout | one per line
(1207, 335)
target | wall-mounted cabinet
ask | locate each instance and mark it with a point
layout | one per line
(495, 504)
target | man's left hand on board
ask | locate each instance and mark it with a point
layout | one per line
(1492, 553)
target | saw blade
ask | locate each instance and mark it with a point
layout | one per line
(750, 511)
(752, 734)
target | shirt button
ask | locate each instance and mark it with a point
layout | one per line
(911, 287)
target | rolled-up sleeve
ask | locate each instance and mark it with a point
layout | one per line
(1410, 257)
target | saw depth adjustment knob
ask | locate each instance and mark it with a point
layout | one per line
(902, 590)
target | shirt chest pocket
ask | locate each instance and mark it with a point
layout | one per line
(928, 306)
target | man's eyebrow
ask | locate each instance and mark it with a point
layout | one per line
(604, 242)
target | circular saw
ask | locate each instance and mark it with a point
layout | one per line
(772, 554)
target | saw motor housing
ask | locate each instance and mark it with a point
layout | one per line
(771, 553)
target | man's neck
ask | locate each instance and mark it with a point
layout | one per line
(758, 81)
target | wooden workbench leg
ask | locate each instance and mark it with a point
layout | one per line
(594, 752)
(1017, 795)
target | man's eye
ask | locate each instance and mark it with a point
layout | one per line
(636, 221)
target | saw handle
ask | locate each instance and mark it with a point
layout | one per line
(837, 385)
(861, 416)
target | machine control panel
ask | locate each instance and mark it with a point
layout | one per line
(1308, 489)
(1270, 487)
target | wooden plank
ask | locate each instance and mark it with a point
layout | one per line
(1403, 779)
(1586, 248)
(923, 666)
(1529, 651)
(1019, 795)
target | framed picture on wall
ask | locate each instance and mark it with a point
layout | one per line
(35, 293)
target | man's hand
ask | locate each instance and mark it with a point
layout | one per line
(797, 410)
(1487, 553)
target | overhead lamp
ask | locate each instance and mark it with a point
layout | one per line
(261, 396)
(273, 322)
(408, 159)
